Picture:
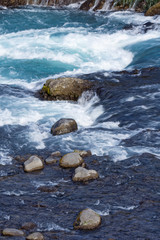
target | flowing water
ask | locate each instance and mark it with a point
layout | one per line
(120, 121)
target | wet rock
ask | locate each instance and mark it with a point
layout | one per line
(47, 189)
(50, 160)
(154, 10)
(28, 225)
(87, 219)
(63, 126)
(82, 174)
(12, 232)
(35, 236)
(71, 160)
(56, 154)
(32, 164)
(83, 153)
(64, 88)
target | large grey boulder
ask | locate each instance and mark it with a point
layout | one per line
(32, 164)
(87, 219)
(63, 126)
(71, 160)
(65, 88)
(83, 174)
(12, 232)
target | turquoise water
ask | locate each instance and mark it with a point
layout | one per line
(40, 43)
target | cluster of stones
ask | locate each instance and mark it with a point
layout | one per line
(12, 232)
(87, 219)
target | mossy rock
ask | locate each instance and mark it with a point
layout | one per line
(65, 88)
(154, 10)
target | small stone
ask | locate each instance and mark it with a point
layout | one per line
(71, 160)
(84, 153)
(35, 236)
(63, 126)
(50, 160)
(28, 225)
(32, 164)
(56, 154)
(82, 174)
(87, 219)
(12, 232)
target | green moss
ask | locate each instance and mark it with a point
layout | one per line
(46, 89)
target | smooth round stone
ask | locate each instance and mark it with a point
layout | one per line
(83, 174)
(71, 160)
(12, 232)
(28, 225)
(50, 160)
(87, 219)
(35, 236)
(64, 126)
(32, 164)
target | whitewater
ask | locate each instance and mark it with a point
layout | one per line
(40, 43)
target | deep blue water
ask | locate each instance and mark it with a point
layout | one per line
(40, 43)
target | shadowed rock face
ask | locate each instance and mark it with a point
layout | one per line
(13, 3)
(154, 10)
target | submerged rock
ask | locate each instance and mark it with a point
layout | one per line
(87, 219)
(82, 174)
(64, 88)
(35, 236)
(12, 232)
(63, 126)
(154, 10)
(32, 164)
(28, 225)
(83, 153)
(71, 160)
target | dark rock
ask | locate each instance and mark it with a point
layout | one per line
(63, 126)
(28, 226)
(64, 88)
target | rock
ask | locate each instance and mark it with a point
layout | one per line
(56, 154)
(83, 153)
(12, 232)
(32, 164)
(71, 160)
(63, 126)
(65, 88)
(35, 236)
(28, 225)
(87, 219)
(13, 3)
(50, 160)
(82, 174)
(154, 10)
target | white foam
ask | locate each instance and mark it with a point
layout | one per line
(51, 227)
(4, 157)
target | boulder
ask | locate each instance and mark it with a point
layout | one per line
(83, 153)
(56, 154)
(87, 219)
(12, 232)
(154, 10)
(13, 3)
(65, 88)
(32, 164)
(71, 160)
(82, 174)
(35, 236)
(63, 126)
